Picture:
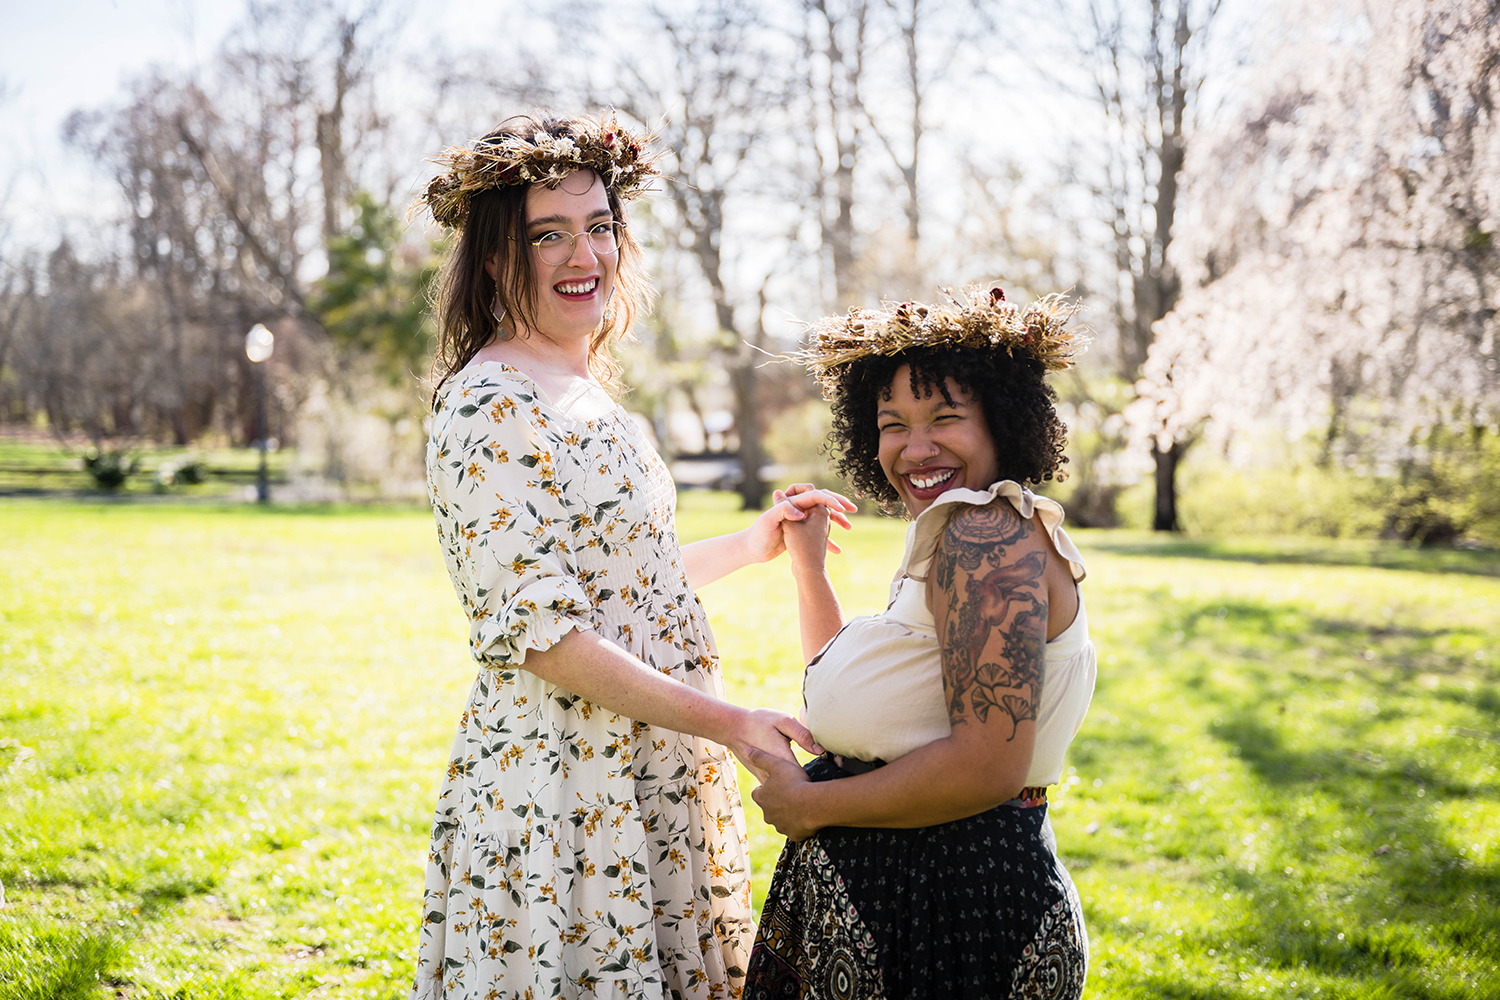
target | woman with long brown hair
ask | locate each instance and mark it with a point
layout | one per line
(589, 837)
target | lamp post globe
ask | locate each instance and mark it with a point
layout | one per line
(259, 343)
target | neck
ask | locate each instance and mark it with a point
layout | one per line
(539, 355)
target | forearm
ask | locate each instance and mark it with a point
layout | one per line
(819, 612)
(710, 559)
(594, 668)
(943, 781)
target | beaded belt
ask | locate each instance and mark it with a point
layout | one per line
(1030, 798)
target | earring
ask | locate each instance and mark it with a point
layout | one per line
(499, 316)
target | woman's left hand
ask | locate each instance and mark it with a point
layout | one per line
(779, 794)
(764, 538)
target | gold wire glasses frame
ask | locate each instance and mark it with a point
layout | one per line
(556, 247)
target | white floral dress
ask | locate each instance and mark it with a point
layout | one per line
(575, 853)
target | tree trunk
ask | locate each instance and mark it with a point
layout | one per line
(844, 68)
(330, 133)
(752, 488)
(1166, 461)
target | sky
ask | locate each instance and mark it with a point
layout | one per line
(59, 56)
(64, 55)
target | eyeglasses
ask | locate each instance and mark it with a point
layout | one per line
(556, 247)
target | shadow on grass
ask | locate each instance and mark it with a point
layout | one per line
(1352, 881)
(1385, 656)
(1415, 903)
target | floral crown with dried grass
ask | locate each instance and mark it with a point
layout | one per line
(981, 318)
(621, 158)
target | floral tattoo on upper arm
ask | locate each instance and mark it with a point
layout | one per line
(991, 605)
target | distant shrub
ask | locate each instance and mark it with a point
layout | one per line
(1218, 499)
(1450, 494)
(187, 472)
(110, 469)
(1447, 497)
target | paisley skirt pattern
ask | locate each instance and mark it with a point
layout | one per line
(980, 907)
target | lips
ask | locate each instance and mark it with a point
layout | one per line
(928, 483)
(585, 286)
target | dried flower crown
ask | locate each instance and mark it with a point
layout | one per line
(980, 318)
(622, 159)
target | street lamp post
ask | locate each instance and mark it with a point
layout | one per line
(259, 343)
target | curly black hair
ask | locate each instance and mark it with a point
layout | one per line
(1010, 388)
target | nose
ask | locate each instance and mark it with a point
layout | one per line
(919, 447)
(582, 245)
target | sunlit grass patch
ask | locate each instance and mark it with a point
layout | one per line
(1292, 769)
(233, 724)
(222, 731)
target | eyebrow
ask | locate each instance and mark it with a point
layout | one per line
(563, 220)
(941, 404)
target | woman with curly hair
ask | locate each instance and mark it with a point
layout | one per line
(589, 838)
(920, 862)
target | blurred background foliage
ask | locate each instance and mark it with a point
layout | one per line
(1280, 216)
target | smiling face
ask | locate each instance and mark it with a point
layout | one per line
(571, 296)
(929, 445)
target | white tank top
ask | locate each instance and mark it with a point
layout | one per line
(876, 689)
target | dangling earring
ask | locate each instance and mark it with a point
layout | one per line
(607, 298)
(499, 316)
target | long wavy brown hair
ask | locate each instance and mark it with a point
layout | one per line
(465, 298)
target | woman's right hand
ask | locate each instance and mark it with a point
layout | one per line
(819, 615)
(766, 733)
(804, 500)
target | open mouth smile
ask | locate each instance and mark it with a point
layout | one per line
(929, 480)
(584, 287)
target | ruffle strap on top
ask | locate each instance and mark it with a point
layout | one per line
(922, 540)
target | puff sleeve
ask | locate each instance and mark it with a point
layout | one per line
(501, 473)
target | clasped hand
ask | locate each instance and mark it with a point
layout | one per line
(766, 735)
(799, 520)
(767, 537)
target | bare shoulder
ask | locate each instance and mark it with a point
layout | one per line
(992, 534)
(989, 549)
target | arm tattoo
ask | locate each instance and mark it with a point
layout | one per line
(994, 611)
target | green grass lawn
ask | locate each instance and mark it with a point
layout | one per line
(222, 729)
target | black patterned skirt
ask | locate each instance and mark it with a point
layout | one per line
(980, 907)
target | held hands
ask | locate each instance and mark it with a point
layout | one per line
(779, 793)
(807, 542)
(767, 536)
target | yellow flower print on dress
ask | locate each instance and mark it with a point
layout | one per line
(531, 562)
